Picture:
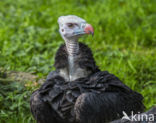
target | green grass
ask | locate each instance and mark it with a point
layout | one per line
(124, 41)
(14, 103)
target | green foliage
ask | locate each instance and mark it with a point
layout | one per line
(124, 41)
(14, 103)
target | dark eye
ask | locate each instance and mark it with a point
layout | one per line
(70, 25)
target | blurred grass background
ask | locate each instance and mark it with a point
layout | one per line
(124, 44)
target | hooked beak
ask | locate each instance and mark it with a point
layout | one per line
(87, 29)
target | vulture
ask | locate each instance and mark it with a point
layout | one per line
(78, 91)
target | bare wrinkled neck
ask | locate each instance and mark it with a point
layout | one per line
(72, 47)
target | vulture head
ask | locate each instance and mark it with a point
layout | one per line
(72, 27)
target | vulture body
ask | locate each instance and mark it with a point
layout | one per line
(91, 96)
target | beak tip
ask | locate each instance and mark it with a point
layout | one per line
(92, 34)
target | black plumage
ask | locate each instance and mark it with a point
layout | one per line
(85, 58)
(97, 98)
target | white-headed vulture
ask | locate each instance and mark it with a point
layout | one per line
(78, 91)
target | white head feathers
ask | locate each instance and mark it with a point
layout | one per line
(70, 19)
